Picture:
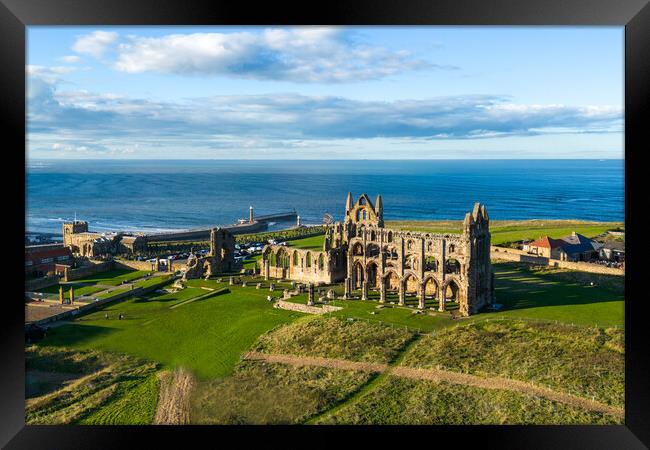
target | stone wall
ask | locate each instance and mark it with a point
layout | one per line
(90, 306)
(137, 265)
(509, 254)
(40, 283)
(305, 308)
(81, 272)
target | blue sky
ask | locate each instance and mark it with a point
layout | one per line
(325, 92)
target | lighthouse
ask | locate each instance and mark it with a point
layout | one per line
(250, 215)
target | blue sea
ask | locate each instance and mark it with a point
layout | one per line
(170, 195)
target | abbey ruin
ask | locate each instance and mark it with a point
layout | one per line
(220, 259)
(367, 256)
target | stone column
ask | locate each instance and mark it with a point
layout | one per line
(422, 292)
(157, 265)
(382, 291)
(402, 300)
(348, 287)
(72, 295)
(267, 270)
(443, 294)
(169, 265)
(364, 290)
(310, 295)
(231, 281)
(61, 294)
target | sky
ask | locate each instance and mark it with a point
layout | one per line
(325, 92)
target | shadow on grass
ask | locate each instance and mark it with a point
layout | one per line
(520, 287)
(74, 334)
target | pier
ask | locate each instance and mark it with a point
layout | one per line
(251, 225)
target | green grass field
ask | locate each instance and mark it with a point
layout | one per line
(588, 362)
(310, 243)
(96, 283)
(206, 337)
(100, 387)
(540, 293)
(417, 402)
(504, 231)
(331, 337)
(271, 394)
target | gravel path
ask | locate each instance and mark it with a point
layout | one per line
(443, 375)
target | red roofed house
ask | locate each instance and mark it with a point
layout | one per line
(41, 259)
(574, 247)
(546, 247)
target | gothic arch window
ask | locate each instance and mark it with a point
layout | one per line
(452, 248)
(389, 238)
(364, 214)
(308, 259)
(372, 250)
(321, 262)
(296, 258)
(430, 264)
(453, 266)
(429, 246)
(373, 236)
(409, 245)
(357, 249)
(357, 215)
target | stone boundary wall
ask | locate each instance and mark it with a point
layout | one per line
(515, 255)
(99, 302)
(305, 308)
(137, 265)
(40, 283)
(81, 272)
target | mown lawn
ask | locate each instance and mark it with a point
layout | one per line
(93, 283)
(206, 337)
(540, 293)
(310, 243)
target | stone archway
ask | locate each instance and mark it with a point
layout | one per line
(450, 292)
(431, 288)
(411, 284)
(371, 274)
(391, 281)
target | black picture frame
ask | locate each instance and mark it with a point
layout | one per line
(15, 15)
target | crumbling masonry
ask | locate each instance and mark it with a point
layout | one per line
(367, 256)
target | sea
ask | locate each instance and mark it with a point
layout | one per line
(171, 195)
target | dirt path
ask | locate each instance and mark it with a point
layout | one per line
(443, 375)
(174, 398)
(316, 361)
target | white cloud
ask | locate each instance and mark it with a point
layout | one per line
(70, 59)
(306, 54)
(94, 44)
